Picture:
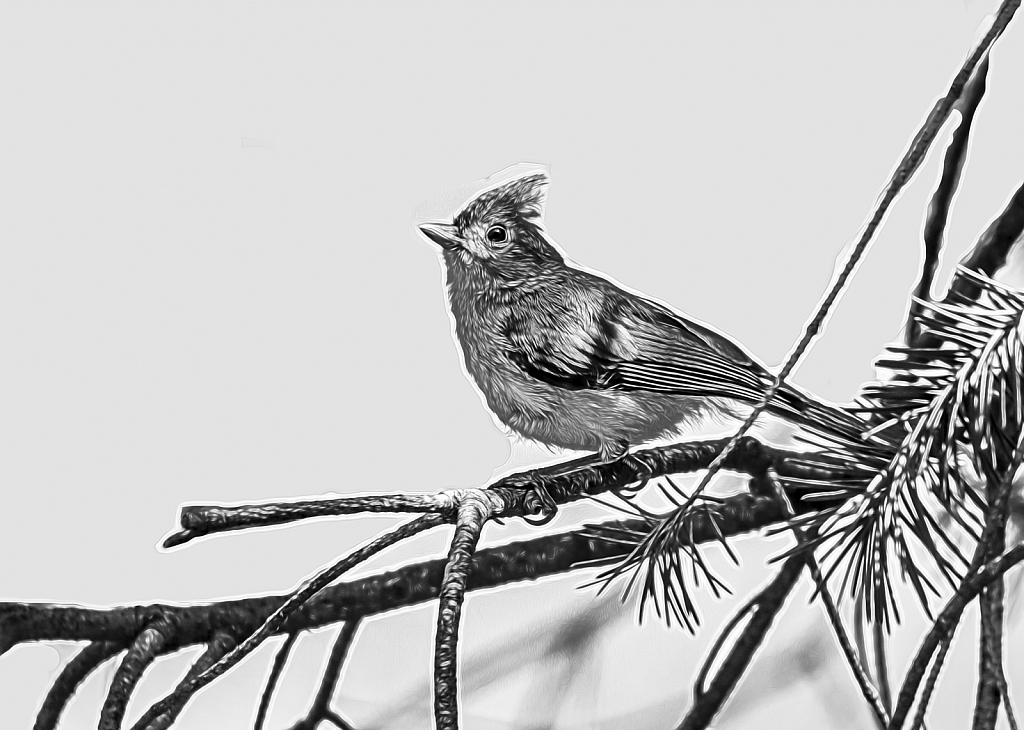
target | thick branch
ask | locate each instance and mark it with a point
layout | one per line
(517, 561)
(990, 657)
(763, 610)
(990, 252)
(942, 199)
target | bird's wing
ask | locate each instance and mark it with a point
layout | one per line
(619, 341)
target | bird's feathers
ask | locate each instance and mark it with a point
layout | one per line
(529, 321)
(610, 340)
(522, 198)
(621, 342)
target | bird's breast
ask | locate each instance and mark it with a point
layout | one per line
(481, 325)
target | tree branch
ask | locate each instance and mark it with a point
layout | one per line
(183, 693)
(929, 685)
(990, 658)
(519, 490)
(276, 669)
(71, 676)
(219, 645)
(943, 626)
(660, 540)
(143, 651)
(321, 708)
(942, 199)
(832, 611)
(473, 513)
(762, 609)
(989, 254)
(406, 586)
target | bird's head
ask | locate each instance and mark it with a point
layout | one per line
(499, 231)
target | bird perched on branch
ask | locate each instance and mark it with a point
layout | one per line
(569, 359)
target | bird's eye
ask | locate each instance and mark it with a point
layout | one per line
(497, 234)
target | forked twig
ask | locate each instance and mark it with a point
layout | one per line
(700, 682)
(943, 626)
(407, 585)
(867, 689)
(71, 676)
(321, 708)
(221, 643)
(182, 694)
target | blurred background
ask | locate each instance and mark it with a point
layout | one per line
(211, 290)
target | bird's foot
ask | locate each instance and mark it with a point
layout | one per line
(619, 451)
(543, 505)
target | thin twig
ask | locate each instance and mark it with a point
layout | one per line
(563, 484)
(1011, 716)
(859, 619)
(182, 694)
(200, 520)
(880, 641)
(473, 513)
(929, 685)
(867, 689)
(71, 676)
(221, 643)
(835, 618)
(321, 707)
(944, 625)
(911, 161)
(276, 669)
(143, 651)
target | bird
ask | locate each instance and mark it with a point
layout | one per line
(568, 358)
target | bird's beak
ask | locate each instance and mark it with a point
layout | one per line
(444, 235)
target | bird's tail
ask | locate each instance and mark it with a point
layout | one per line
(825, 420)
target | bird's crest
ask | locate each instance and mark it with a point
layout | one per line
(523, 198)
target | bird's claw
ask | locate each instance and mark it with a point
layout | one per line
(644, 474)
(543, 505)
